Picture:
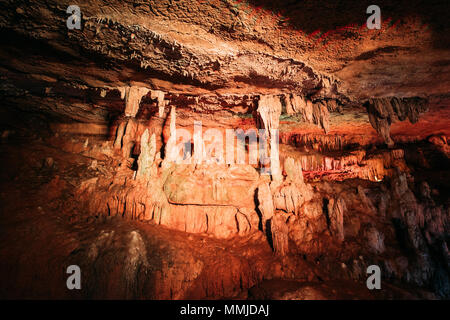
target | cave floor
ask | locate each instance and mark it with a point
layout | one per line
(43, 233)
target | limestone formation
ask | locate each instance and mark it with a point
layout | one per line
(147, 156)
(320, 115)
(336, 212)
(119, 135)
(159, 96)
(293, 169)
(133, 96)
(269, 111)
(291, 197)
(280, 234)
(317, 112)
(129, 137)
(171, 151)
(266, 206)
(106, 166)
(375, 240)
(385, 111)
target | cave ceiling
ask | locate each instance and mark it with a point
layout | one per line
(220, 51)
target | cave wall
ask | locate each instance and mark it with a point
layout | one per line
(342, 133)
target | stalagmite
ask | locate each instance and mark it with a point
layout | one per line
(147, 156)
(269, 111)
(280, 234)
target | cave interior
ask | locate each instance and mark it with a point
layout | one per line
(224, 149)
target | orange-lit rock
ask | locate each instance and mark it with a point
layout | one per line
(133, 148)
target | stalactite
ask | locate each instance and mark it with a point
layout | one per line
(269, 111)
(133, 96)
(385, 111)
(129, 138)
(159, 95)
(126, 131)
(321, 115)
(171, 148)
(265, 206)
(317, 113)
(122, 91)
(119, 135)
(334, 106)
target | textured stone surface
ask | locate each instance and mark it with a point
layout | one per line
(96, 126)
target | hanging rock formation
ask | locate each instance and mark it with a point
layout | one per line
(159, 96)
(317, 112)
(266, 206)
(171, 151)
(127, 129)
(385, 111)
(133, 97)
(126, 136)
(321, 116)
(96, 124)
(269, 111)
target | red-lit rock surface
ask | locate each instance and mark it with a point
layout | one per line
(91, 121)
